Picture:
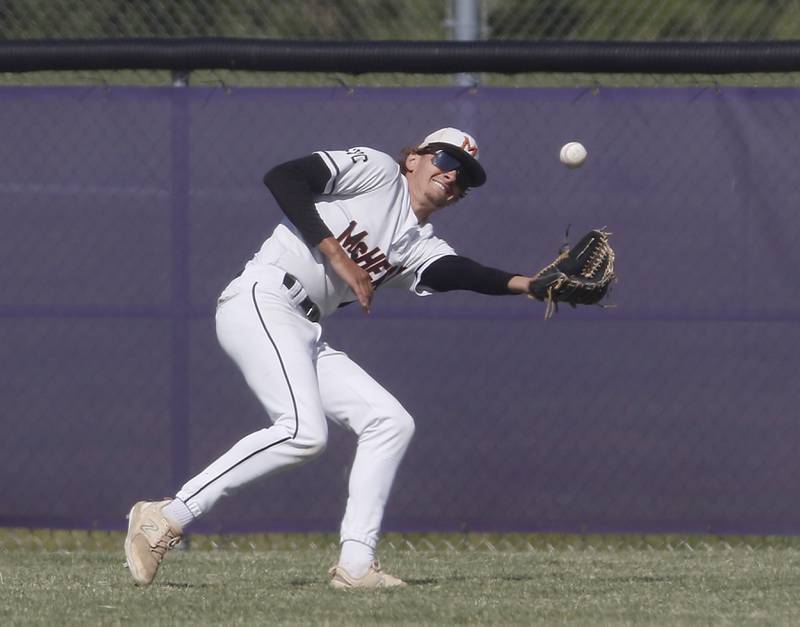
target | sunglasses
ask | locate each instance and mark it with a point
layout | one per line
(447, 162)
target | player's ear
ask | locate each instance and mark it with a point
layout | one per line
(412, 160)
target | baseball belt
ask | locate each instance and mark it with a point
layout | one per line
(299, 297)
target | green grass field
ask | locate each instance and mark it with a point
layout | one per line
(541, 580)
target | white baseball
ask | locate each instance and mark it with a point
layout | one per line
(573, 154)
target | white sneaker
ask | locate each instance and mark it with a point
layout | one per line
(150, 536)
(374, 578)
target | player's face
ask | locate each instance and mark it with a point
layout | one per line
(434, 181)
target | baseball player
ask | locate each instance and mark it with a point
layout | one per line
(356, 220)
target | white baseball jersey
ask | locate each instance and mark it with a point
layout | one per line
(367, 207)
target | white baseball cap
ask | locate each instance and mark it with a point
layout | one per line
(460, 145)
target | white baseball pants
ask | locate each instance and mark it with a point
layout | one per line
(300, 380)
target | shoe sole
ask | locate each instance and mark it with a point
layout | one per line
(134, 572)
(343, 585)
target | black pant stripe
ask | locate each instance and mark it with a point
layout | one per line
(291, 393)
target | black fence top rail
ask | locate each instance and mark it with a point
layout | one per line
(426, 57)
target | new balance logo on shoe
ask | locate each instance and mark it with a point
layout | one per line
(149, 526)
(150, 536)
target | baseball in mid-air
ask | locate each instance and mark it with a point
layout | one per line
(573, 154)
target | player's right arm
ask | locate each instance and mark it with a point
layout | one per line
(294, 185)
(351, 273)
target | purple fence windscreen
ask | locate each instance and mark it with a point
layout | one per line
(125, 211)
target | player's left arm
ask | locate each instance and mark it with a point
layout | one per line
(455, 272)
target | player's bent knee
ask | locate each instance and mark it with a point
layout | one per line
(315, 450)
(409, 426)
(402, 426)
(310, 445)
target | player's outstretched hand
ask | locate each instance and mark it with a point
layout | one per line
(351, 273)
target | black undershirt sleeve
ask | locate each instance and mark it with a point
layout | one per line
(294, 184)
(462, 273)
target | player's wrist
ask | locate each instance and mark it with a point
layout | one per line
(519, 284)
(331, 248)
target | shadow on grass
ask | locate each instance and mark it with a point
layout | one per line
(428, 581)
(185, 586)
(643, 579)
(457, 579)
(517, 578)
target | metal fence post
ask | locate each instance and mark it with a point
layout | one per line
(180, 302)
(466, 27)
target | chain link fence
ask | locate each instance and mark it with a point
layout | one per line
(348, 20)
(129, 209)
(622, 20)
(21, 539)
(694, 412)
